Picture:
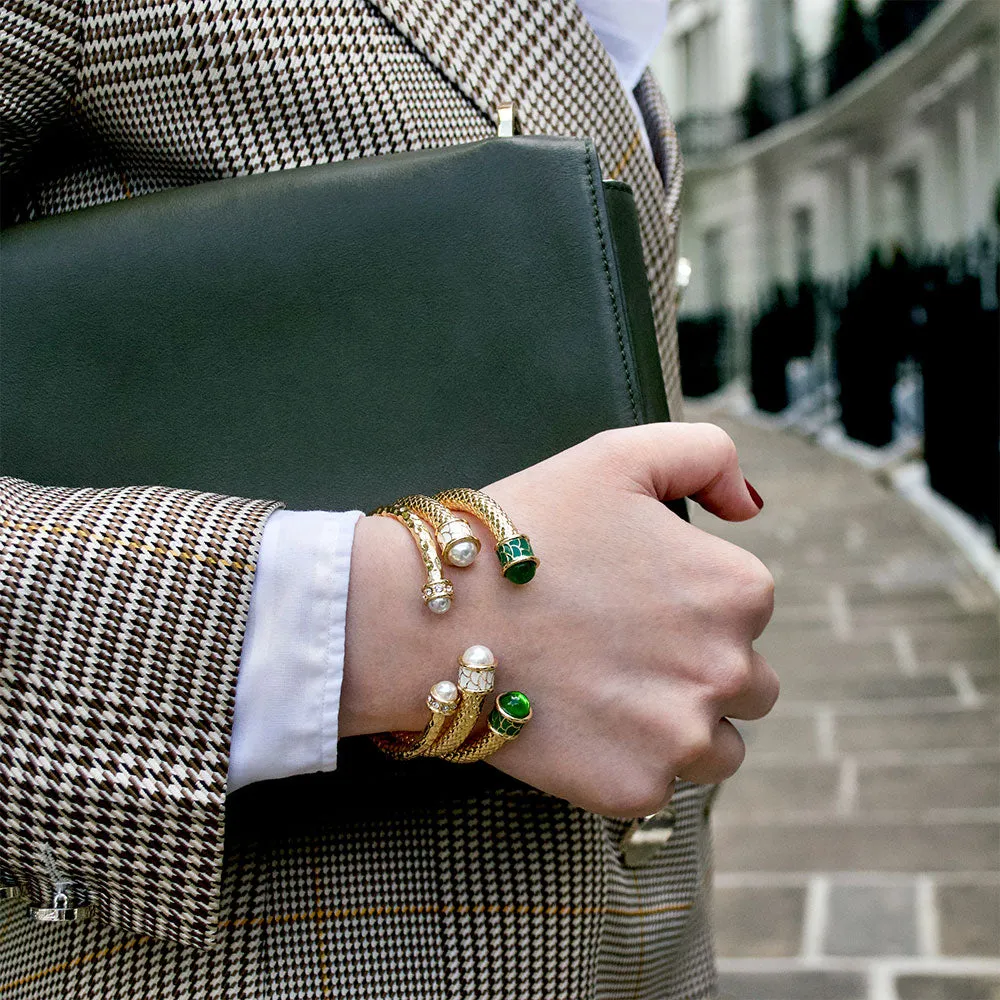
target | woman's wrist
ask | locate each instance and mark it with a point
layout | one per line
(395, 648)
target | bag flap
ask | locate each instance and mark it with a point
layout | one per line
(331, 336)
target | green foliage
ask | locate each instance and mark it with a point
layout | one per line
(756, 109)
(854, 46)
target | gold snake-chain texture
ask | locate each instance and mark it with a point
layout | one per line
(421, 535)
(405, 746)
(485, 746)
(430, 509)
(482, 506)
(465, 721)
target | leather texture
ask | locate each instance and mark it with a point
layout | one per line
(427, 319)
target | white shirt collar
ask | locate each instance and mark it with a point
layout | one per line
(630, 30)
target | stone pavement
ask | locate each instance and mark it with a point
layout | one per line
(858, 849)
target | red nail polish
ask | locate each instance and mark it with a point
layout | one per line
(754, 495)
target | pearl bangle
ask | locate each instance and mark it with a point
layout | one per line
(438, 592)
(518, 561)
(443, 701)
(459, 544)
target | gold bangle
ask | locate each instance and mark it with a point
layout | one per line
(518, 561)
(438, 592)
(443, 701)
(459, 543)
(508, 718)
(476, 670)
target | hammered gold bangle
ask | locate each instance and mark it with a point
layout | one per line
(518, 561)
(459, 543)
(443, 701)
(438, 592)
(508, 718)
(476, 670)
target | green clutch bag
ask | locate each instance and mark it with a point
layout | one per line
(332, 336)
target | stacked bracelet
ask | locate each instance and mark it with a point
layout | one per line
(454, 712)
(455, 708)
(518, 561)
(476, 670)
(438, 591)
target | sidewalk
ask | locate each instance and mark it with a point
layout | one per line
(858, 849)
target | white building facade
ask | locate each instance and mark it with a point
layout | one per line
(907, 155)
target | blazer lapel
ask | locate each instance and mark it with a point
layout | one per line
(544, 55)
(540, 52)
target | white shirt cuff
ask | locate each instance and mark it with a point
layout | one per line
(292, 667)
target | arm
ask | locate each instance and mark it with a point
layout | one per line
(121, 620)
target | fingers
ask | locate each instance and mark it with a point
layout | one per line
(720, 761)
(760, 693)
(688, 460)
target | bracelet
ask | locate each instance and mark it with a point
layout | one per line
(438, 592)
(443, 701)
(508, 718)
(518, 561)
(476, 670)
(455, 708)
(459, 543)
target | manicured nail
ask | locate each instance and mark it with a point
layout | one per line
(754, 495)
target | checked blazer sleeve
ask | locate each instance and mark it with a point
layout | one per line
(39, 63)
(122, 614)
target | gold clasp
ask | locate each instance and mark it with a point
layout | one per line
(508, 123)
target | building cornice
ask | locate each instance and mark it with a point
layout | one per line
(949, 37)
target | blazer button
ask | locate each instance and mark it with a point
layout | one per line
(63, 908)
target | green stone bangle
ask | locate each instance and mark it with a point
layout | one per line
(508, 718)
(518, 561)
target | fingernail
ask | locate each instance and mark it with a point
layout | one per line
(754, 495)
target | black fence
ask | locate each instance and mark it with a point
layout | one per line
(959, 350)
(860, 40)
(937, 317)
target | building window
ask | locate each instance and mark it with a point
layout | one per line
(699, 66)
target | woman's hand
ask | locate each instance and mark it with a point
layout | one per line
(633, 641)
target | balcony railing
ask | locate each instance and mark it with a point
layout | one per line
(770, 100)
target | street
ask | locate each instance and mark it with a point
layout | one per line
(858, 849)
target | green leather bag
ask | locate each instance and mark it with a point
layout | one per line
(332, 336)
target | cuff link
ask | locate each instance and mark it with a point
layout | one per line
(63, 909)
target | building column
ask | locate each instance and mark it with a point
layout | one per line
(859, 208)
(965, 127)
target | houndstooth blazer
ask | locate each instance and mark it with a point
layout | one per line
(122, 611)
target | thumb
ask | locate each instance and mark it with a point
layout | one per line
(675, 460)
